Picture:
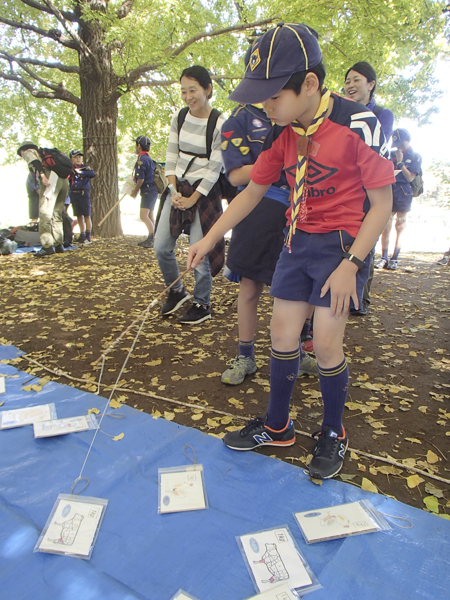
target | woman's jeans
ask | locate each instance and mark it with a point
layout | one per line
(164, 250)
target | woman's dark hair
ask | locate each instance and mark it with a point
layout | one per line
(367, 71)
(296, 81)
(201, 75)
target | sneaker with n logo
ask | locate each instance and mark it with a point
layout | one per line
(256, 433)
(328, 453)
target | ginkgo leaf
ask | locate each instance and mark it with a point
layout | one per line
(197, 417)
(368, 486)
(116, 438)
(413, 440)
(93, 411)
(432, 503)
(115, 404)
(430, 488)
(414, 480)
(432, 457)
(169, 416)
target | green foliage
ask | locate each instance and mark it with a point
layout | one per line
(441, 170)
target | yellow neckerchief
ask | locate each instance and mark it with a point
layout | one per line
(299, 211)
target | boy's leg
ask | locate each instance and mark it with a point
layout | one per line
(145, 218)
(382, 263)
(328, 452)
(400, 226)
(244, 364)
(62, 188)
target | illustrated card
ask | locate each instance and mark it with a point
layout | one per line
(281, 592)
(273, 559)
(336, 521)
(73, 526)
(63, 426)
(27, 416)
(2, 385)
(181, 488)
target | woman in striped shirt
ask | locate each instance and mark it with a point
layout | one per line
(192, 169)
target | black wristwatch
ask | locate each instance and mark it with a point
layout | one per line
(352, 258)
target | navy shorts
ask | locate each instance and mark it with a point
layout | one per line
(81, 203)
(300, 275)
(401, 201)
(148, 197)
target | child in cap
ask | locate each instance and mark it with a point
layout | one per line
(332, 150)
(407, 165)
(80, 195)
(143, 175)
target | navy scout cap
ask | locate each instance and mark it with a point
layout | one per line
(75, 153)
(143, 140)
(275, 57)
(399, 136)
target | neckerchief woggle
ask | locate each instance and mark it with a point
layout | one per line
(299, 209)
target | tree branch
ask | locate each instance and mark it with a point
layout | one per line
(59, 91)
(127, 81)
(42, 32)
(40, 63)
(70, 16)
(71, 31)
(125, 9)
(169, 82)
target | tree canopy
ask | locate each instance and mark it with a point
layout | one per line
(75, 72)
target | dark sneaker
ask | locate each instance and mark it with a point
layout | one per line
(174, 301)
(392, 265)
(196, 314)
(360, 312)
(257, 434)
(381, 264)
(81, 239)
(328, 453)
(147, 243)
(44, 252)
(308, 366)
(241, 366)
(443, 261)
(60, 249)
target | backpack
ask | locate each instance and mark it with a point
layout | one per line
(227, 190)
(159, 178)
(56, 161)
(417, 183)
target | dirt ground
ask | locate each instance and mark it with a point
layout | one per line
(64, 311)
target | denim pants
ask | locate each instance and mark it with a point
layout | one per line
(164, 250)
(50, 213)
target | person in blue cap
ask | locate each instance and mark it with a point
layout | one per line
(143, 175)
(333, 153)
(407, 165)
(256, 241)
(80, 195)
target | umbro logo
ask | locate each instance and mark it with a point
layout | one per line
(316, 172)
(342, 450)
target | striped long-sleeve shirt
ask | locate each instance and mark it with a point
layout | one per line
(193, 139)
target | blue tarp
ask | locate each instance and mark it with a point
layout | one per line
(140, 554)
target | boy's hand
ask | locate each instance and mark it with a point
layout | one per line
(197, 253)
(44, 180)
(342, 285)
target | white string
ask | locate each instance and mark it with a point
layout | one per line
(151, 305)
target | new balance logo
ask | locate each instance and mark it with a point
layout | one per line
(262, 438)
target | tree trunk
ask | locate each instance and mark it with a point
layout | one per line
(99, 119)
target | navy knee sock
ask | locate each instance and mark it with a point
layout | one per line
(283, 375)
(334, 388)
(396, 253)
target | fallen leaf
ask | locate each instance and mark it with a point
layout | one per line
(432, 503)
(234, 428)
(430, 488)
(197, 417)
(169, 416)
(115, 404)
(432, 457)
(368, 486)
(237, 403)
(118, 437)
(423, 409)
(2, 403)
(156, 414)
(93, 411)
(414, 480)
(413, 440)
(153, 363)
(316, 481)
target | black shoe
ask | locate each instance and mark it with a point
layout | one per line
(174, 301)
(257, 434)
(59, 249)
(360, 312)
(81, 239)
(147, 243)
(328, 453)
(196, 314)
(44, 252)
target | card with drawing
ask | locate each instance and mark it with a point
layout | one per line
(352, 518)
(72, 526)
(181, 488)
(63, 426)
(282, 592)
(273, 558)
(27, 416)
(2, 385)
